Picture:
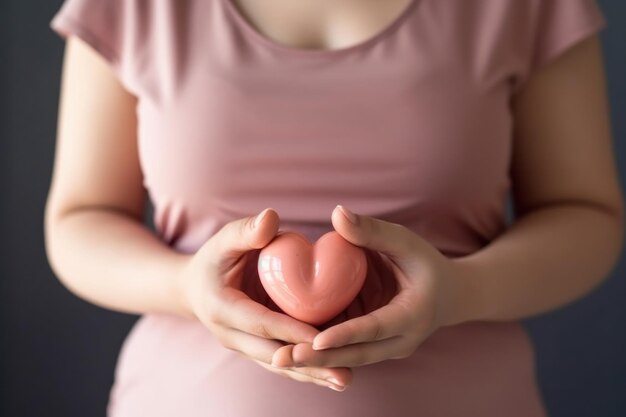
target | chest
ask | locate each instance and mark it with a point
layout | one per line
(230, 124)
(315, 24)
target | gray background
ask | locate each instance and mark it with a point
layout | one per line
(58, 352)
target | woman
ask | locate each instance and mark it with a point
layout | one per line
(417, 115)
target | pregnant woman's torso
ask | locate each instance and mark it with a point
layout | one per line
(301, 106)
(315, 24)
(398, 109)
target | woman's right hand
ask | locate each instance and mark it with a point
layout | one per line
(216, 283)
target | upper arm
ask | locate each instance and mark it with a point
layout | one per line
(562, 148)
(96, 160)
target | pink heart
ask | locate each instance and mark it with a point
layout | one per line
(312, 283)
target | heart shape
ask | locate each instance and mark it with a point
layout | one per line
(312, 283)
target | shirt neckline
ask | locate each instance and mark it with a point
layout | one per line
(252, 32)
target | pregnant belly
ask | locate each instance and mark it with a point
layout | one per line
(172, 366)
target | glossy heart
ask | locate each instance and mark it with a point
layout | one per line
(312, 283)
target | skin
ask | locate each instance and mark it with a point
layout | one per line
(319, 24)
(567, 238)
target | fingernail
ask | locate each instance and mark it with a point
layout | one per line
(334, 381)
(319, 347)
(338, 388)
(349, 215)
(260, 218)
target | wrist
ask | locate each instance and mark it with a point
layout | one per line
(464, 301)
(181, 289)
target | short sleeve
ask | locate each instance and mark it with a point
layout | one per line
(556, 26)
(102, 24)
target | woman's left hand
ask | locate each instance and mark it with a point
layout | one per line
(425, 291)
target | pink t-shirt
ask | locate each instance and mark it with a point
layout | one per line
(412, 125)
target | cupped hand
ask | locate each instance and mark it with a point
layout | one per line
(221, 287)
(379, 287)
(394, 325)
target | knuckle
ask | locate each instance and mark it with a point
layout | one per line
(227, 234)
(374, 232)
(376, 329)
(248, 223)
(245, 230)
(213, 316)
(242, 230)
(260, 327)
(261, 330)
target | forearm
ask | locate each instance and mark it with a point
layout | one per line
(114, 261)
(546, 259)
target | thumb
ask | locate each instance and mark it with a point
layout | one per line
(243, 235)
(389, 238)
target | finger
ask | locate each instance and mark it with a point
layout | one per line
(282, 356)
(240, 236)
(352, 355)
(388, 321)
(337, 375)
(302, 375)
(253, 347)
(390, 238)
(261, 351)
(238, 311)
